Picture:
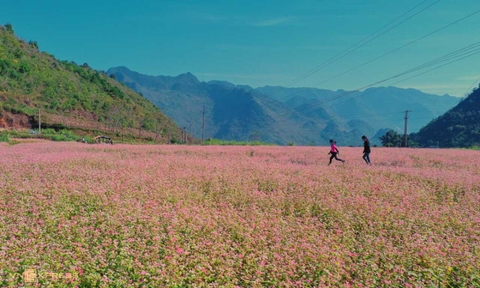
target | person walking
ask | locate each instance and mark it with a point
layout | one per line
(366, 149)
(334, 152)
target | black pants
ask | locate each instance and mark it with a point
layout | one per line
(366, 157)
(334, 155)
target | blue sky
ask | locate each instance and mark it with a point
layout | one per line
(257, 43)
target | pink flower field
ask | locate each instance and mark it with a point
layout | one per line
(178, 216)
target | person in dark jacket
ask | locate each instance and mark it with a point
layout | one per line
(366, 149)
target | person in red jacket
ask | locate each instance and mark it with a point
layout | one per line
(334, 152)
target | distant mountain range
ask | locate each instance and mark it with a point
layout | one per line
(459, 127)
(305, 116)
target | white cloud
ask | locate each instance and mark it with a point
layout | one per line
(440, 89)
(469, 78)
(273, 22)
(240, 76)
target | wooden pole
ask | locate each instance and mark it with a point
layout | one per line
(39, 122)
(405, 134)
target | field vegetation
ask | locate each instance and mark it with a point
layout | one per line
(178, 216)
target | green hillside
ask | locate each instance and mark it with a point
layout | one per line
(69, 95)
(459, 127)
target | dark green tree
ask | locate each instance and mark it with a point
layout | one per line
(33, 44)
(9, 28)
(391, 139)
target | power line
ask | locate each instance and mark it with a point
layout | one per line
(369, 115)
(465, 95)
(364, 115)
(472, 53)
(356, 46)
(424, 111)
(430, 118)
(439, 60)
(390, 52)
(457, 56)
(397, 49)
(470, 89)
(380, 116)
(354, 115)
(453, 55)
(410, 43)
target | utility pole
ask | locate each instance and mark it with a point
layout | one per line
(39, 122)
(203, 124)
(190, 130)
(405, 135)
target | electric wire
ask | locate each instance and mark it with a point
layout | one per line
(387, 53)
(455, 56)
(356, 46)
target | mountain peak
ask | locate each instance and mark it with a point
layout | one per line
(119, 68)
(188, 77)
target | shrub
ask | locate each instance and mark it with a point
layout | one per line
(5, 137)
(24, 67)
(9, 28)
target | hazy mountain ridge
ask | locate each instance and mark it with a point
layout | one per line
(232, 112)
(380, 107)
(278, 114)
